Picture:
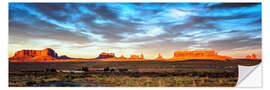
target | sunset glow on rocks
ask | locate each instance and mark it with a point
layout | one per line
(50, 55)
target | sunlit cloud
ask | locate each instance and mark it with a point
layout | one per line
(150, 31)
(176, 13)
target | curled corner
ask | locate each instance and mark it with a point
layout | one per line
(246, 76)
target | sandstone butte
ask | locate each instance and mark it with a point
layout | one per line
(159, 57)
(45, 54)
(111, 57)
(211, 54)
(104, 55)
(49, 54)
(253, 56)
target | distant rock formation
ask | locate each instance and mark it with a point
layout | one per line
(253, 56)
(184, 55)
(122, 57)
(64, 57)
(134, 57)
(104, 55)
(159, 57)
(45, 54)
(137, 57)
(248, 57)
(142, 56)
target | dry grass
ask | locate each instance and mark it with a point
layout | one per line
(123, 80)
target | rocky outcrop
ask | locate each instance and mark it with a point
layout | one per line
(64, 57)
(104, 55)
(183, 55)
(137, 57)
(45, 54)
(134, 56)
(159, 57)
(122, 57)
(253, 56)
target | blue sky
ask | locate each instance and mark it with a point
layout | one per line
(86, 29)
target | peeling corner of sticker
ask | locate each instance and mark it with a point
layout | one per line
(249, 76)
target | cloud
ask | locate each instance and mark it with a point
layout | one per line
(151, 26)
(18, 30)
(232, 5)
(180, 12)
(236, 42)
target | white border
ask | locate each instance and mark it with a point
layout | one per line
(4, 39)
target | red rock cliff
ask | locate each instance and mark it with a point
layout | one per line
(253, 56)
(104, 55)
(137, 57)
(45, 54)
(181, 55)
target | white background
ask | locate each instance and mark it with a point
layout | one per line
(4, 43)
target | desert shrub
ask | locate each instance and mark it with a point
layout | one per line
(85, 69)
(106, 69)
(109, 69)
(30, 83)
(123, 70)
(51, 70)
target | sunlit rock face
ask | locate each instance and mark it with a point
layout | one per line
(45, 54)
(134, 57)
(184, 55)
(104, 55)
(253, 56)
(137, 57)
(159, 57)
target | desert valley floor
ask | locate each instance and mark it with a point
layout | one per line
(127, 73)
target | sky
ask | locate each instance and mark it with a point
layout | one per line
(83, 30)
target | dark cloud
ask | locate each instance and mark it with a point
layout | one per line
(233, 31)
(197, 22)
(109, 32)
(232, 5)
(56, 11)
(207, 22)
(258, 22)
(235, 42)
(18, 29)
(105, 12)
